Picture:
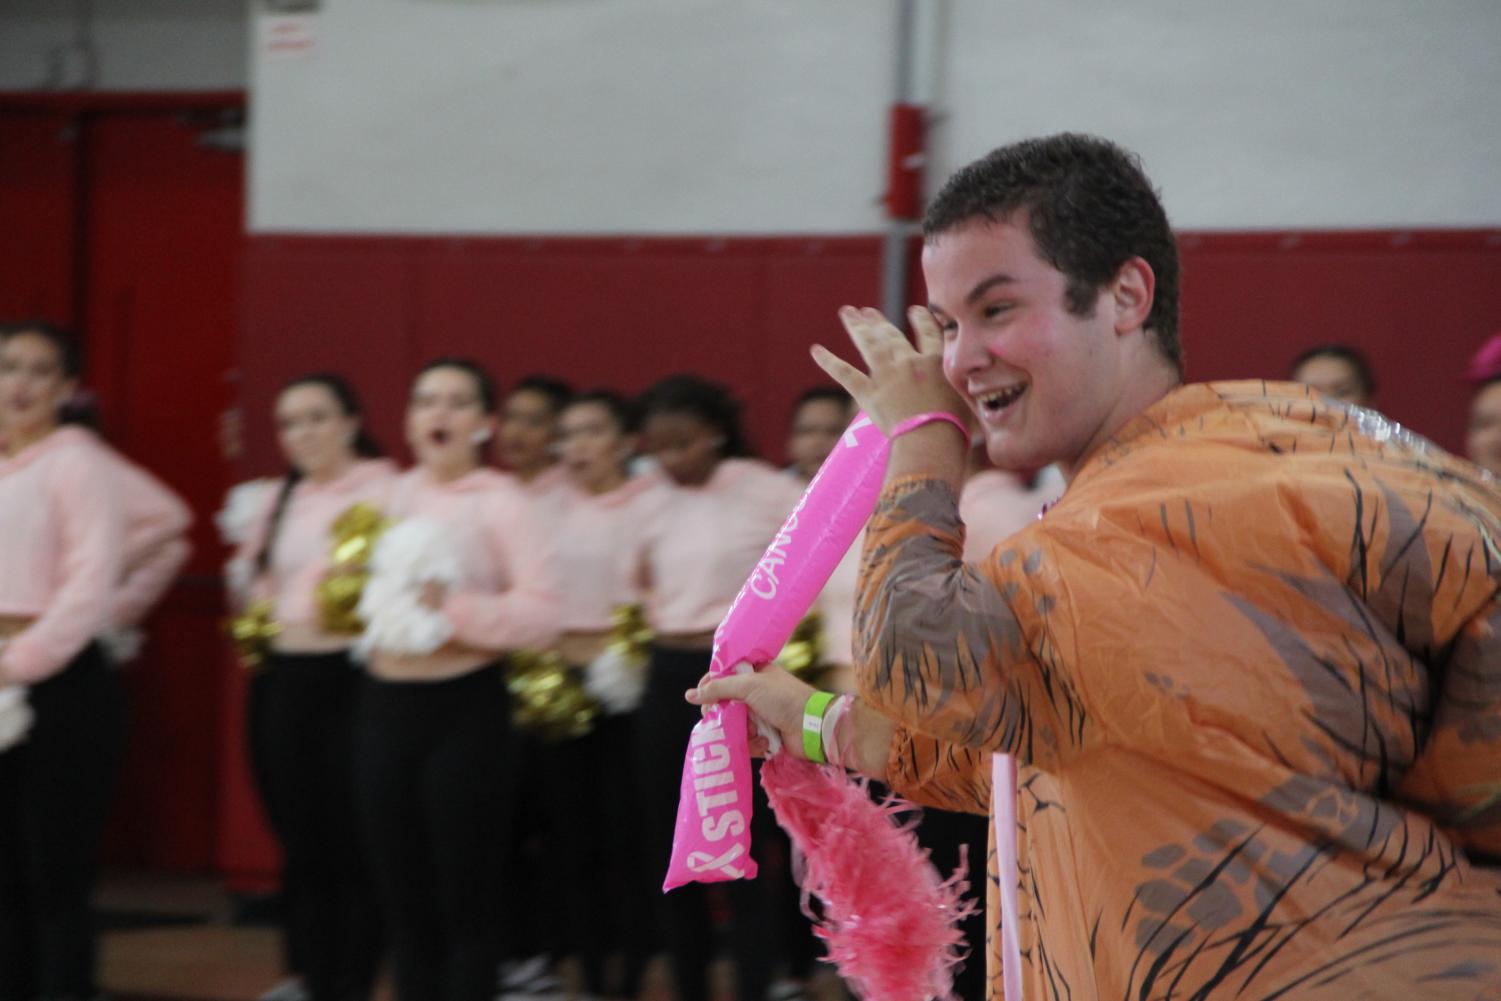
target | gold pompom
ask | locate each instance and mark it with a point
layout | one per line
(548, 696)
(630, 636)
(803, 653)
(252, 632)
(355, 534)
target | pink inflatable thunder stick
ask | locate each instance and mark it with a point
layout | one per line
(712, 839)
(889, 919)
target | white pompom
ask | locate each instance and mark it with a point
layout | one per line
(242, 506)
(239, 574)
(616, 680)
(416, 552)
(419, 550)
(15, 717)
(122, 644)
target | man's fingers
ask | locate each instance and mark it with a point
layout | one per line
(925, 327)
(736, 686)
(876, 337)
(862, 337)
(851, 378)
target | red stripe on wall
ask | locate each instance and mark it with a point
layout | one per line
(622, 311)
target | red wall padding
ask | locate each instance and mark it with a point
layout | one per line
(38, 191)
(622, 312)
(164, 224)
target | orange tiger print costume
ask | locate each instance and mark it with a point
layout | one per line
(1250, 669)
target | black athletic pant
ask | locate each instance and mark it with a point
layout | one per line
(801, 949)
(302, 735)
(55, 789)
(664, 724)
(435, 797)
(593, 852)
(947, 836)
(532, 916)
(258, 735)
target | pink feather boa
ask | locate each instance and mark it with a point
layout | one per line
(890, 920)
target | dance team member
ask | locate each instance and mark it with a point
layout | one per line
(1338, 371)
(716, 514)
(591, 794)
(819, 417)
(156, 527)
(536, 926)
(62, 550)
(995, 504)
(526, 440)
(1247, 665)
(463, 577)
(302, 700)
(1483, 436)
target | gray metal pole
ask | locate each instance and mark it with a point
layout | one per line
(894, 257)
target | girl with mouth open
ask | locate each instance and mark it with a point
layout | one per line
(434, 730)
(62, 554)
(156, 530)
(586, 782)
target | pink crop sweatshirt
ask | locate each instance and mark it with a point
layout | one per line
(700, 543)
(299, 557)
(156, 544)
(62, 544)
(598, 539)
(510, 596)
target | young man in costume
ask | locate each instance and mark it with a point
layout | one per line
(1249, 666)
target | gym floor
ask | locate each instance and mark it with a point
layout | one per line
(175, 938)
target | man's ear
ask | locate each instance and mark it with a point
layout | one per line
(1132, 293)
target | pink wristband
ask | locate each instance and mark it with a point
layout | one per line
(913, 423)
(834, 746)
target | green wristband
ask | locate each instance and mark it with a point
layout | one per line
(813, 713)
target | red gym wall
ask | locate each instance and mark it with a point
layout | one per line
(621, 312)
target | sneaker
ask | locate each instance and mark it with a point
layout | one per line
(787, 989)
(291, 989)
(529, 978)
(514, 972)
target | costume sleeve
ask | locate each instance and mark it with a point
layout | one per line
(1457, 777)
(529, 611)
(940, 651)
(155, 544)
(92, 531)
(1426, 560)
(939, 774)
